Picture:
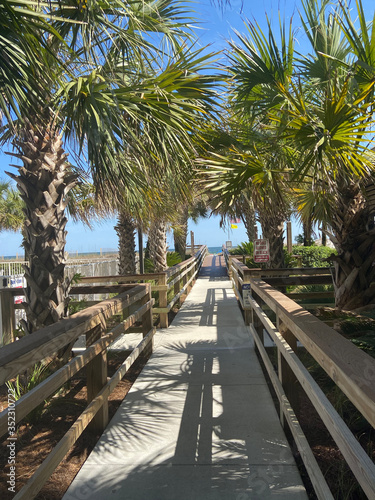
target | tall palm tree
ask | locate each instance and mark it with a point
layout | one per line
(318, 109)
(93, 105)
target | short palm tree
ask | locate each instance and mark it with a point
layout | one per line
(11, 208)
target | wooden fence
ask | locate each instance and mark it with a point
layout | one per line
(134, 303)
(352, 370)
(293, 277)
(170, 285)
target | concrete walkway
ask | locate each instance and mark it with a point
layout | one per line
(199, 423)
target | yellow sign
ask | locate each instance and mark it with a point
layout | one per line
(233, 226)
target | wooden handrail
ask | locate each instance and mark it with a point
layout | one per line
(16, 357)
(104, 284)
(352, 370)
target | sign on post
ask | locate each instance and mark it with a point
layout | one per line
(261, 251)
(246, 294)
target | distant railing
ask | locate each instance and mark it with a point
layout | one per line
(286, 277)
(352, 370)
(17, 357)
(170, 285)
(178, 277)
(11, 268)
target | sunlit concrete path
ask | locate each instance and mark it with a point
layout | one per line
(199, 423)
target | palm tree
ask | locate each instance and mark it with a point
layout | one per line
(317, 109)
(94, 105)
(11, 206)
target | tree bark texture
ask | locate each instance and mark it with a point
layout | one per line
(272, 220)
(180, 232)
(157, 238)
(248, 218)
(43, 181)
(307, 232)
(354, 266)
(125, 230)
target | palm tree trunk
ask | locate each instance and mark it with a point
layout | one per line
(125, 230)
(157, 239)
(324, 234)
(272, 221)
(354, 269)
(307, 232)
(43, 181)
(180, 232)
(248, 218)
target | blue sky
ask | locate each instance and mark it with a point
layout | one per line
(216, 27)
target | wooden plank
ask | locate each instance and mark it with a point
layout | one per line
(147, 321)
(18, 356)
(46, 469)
(121, 279)
(163, 302)
(172, 282)
(183, 290)
(310, 295)
(96, 378)
(93, 289)
(177, 268)
(349, 367)
(314, 472)
(295, 271)
(299, 280)
(357, 459)
(43, 390)
(286, 375)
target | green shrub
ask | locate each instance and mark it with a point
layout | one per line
(313, 256)
(244, 248)
(24, 383)
(173, 258)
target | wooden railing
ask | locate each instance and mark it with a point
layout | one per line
(179, 278)
(352, 370)
(282, 278)
(134, 302)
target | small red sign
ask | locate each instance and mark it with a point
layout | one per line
(261, 251)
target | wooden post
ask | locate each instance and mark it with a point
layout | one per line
(97, 372)
(184, 281)
(289, 242)
(8, 322)
(147, 320)
(244, 292)
(177, 288)
(286, 375)
(230, 274)
(163, 301)
(258, 326)
(192, 242)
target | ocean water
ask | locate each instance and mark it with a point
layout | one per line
(214, 249)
